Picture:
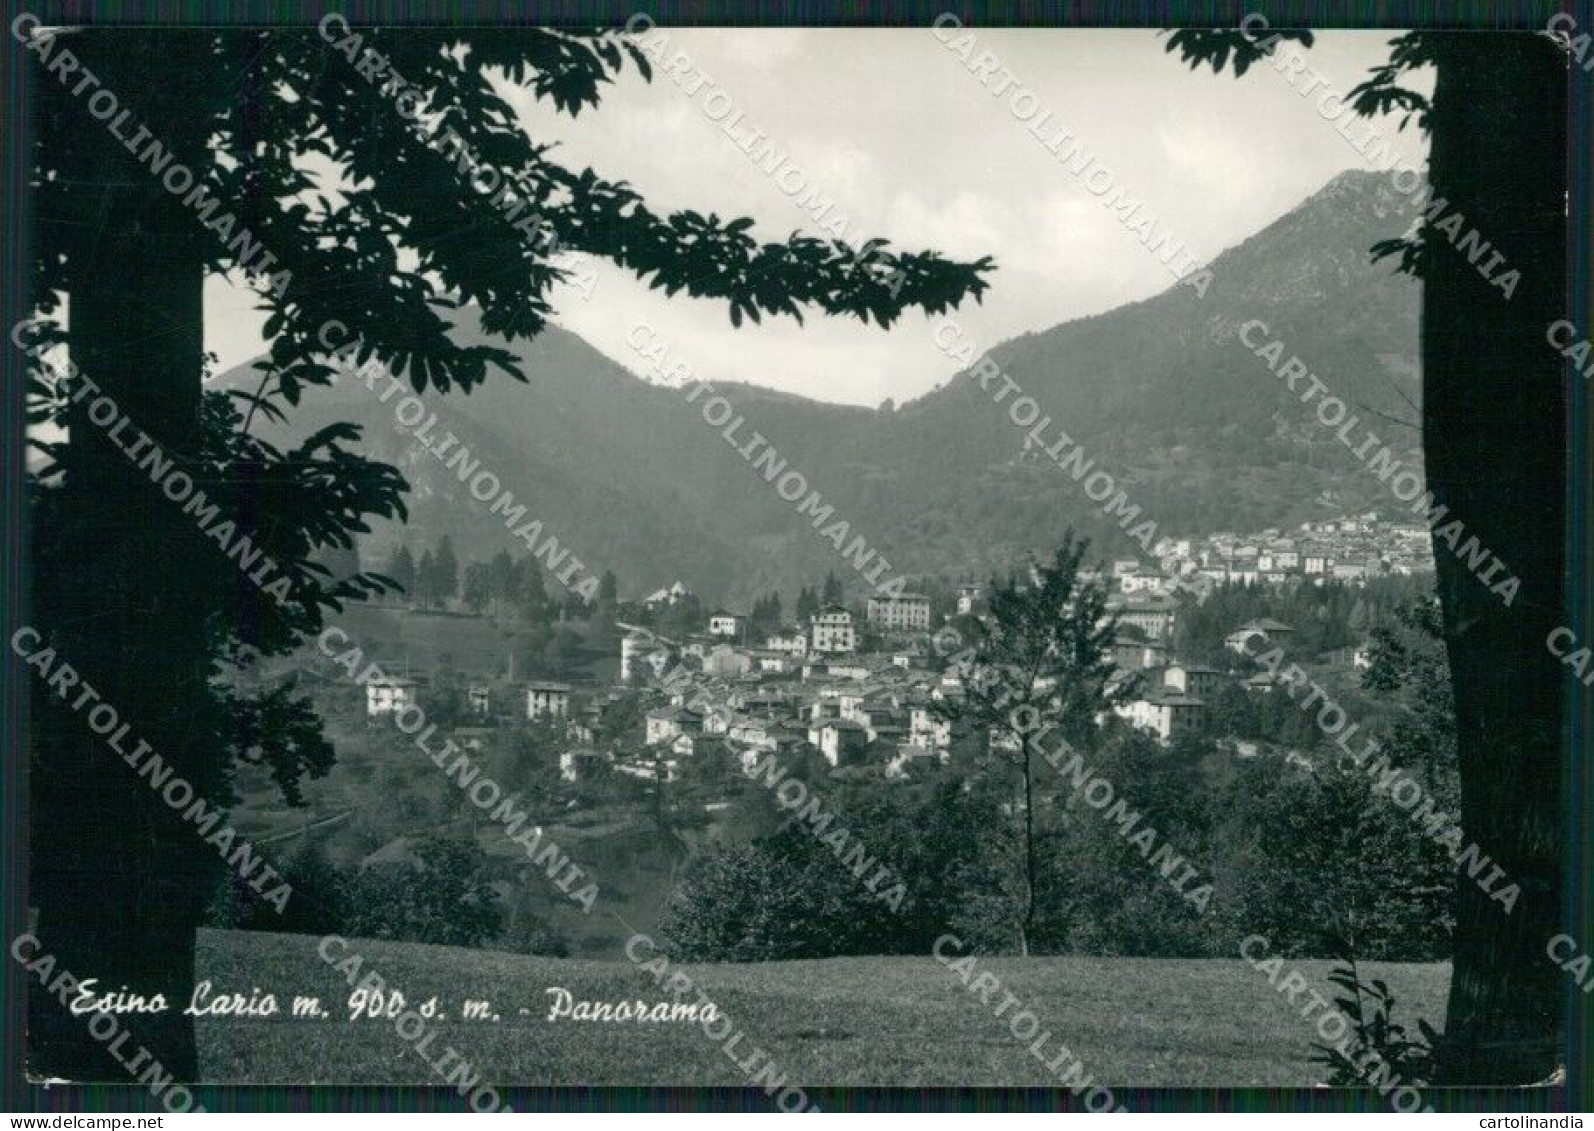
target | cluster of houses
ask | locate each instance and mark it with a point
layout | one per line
(814, 687)
(810, 685)
(1352, 550)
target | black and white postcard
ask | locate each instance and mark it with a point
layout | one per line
(805, 566)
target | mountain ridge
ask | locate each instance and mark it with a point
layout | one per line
(1196, 430)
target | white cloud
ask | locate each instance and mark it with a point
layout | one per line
(890, 126)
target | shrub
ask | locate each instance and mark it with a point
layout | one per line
(440, 895)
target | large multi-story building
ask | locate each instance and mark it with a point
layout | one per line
(793, 643)
(904, 612)
(833, 631)
(1193, 679)
(1152, 615)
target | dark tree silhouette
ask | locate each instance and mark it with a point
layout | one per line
(427, 591)
(402, 569)
(437, 199)
(477, 590)
(1494, 420)
(446, 563)
(1040, 663)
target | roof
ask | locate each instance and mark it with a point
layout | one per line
(1145, 605)
(1164, 698)
(676, 714)
(549, 686)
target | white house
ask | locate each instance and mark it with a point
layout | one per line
(775, 663)
(833, 631)
(387, 694)
(794, 643)
(1166, 713)
(547, 700)
(670, 596)
(838, 739)
(1193, 679)
(578, 762)
(1265, 631)
(1144, 583)
(722, 623)
(848, 669)
(926, 728)
(634, 650)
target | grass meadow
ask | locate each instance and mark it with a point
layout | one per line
(835, 1022)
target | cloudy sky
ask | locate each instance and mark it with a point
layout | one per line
(910, 146)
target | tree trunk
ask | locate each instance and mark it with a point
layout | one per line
(119, 879)
(1494, 438)
(1027, 927)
